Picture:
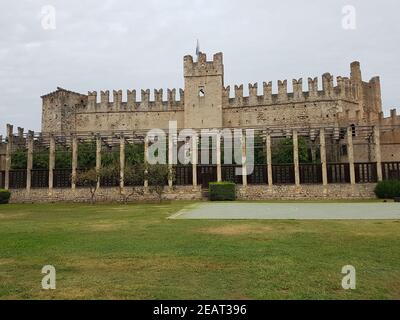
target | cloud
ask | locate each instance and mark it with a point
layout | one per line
(32, 45)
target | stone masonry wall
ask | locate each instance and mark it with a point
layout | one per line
(83, 195)
(126, 121)
(188, 193)
(307, 192)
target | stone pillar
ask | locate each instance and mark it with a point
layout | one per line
(244, 160)
(74, 160)
(296, 158)
(323, 157)
(350, 152)
(146, 155)
(269, 161)
(219, 167)
(29, 161)
(170, 158)
(121, 161)
(98, 157)
(194, 159)
(8, 156)
(52, 161)
(378, 154)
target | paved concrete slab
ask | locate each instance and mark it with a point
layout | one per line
(291, 211)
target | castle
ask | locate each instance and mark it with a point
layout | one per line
(352, 145)
(206, 103)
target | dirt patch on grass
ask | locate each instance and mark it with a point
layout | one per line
(233, 230)
(143, 263)
(122, 209)
(7, 261)
(107, 226)
(12, 216)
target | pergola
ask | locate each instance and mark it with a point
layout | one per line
(196, 173)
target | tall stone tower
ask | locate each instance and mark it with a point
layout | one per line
(204, 82)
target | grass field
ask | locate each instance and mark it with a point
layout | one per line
(134, 252)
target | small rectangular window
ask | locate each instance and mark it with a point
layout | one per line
(202, 92)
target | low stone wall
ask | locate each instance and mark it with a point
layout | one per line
(307, 192)
(103, 195)
(189, 193)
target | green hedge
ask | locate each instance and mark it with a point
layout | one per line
(388, 189)
(4, 196)
(222, 191)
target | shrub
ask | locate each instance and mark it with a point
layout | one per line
(4, 196)
(222, 191)
(388, 189)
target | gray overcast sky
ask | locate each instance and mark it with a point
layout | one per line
(129, 44)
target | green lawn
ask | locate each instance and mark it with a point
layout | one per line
(134, 252)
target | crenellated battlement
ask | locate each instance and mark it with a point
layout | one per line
(282, 89)
(146, 103)
(267, 92)
(104, 100)
(346, 89)
(203, 67)
(313, 88)
(297, 89)
(392, 120)
(327, 85)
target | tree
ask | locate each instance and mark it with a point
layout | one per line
(259, 152)
(63, 157)
(157, 176)
(110, 159)
(90, 178)
(134, 154)
(19, 159)
(87, 155)
(260, 156)
(41, 159)
(133, 177)
(283, 153)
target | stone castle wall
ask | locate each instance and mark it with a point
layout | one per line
(205, 102)
(391, 138)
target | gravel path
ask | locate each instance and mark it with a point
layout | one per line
(291, 211)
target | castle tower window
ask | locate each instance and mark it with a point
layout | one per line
(202, 93)
(353, 130)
